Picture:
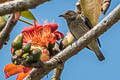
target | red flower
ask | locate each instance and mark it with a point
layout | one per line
(42, 35)
(12, 69)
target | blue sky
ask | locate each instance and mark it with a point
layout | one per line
(83, 66)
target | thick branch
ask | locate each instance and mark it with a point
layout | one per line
(4, 34)
(19, 5)
(73, 49)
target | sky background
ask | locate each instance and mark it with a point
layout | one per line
(85, 65)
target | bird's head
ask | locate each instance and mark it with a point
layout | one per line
(69, 15)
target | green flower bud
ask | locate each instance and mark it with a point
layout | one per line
(18, 52)
(26, 47)
(36, 54)
(17, 42)
(29, 59)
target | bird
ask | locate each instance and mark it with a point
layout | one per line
(78, 25)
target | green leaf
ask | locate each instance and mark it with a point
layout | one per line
(91, 9)
(28, 14)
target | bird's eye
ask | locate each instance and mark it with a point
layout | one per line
(69, 14)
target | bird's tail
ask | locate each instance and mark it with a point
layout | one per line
(95, 48)
(100, 55)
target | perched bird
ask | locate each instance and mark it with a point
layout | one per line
(78, 25)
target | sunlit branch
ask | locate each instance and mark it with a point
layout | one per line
(5, 33)
(19, 5)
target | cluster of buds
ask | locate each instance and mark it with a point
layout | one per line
(36, 43)
(22, 52)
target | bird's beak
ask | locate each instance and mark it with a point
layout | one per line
(60, 16)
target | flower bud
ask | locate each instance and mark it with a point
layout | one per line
(36, 54)
(18, 52)
(26, 47)
(17, 42)
(29, 59)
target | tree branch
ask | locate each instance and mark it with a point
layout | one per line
(58, 72)
(19, 5)
(73, 49)
(4, 34)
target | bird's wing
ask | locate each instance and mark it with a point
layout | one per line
(89, 25)
(87, 22)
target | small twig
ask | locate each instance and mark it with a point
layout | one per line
(4, 35)
(25, 21)
(58, 72)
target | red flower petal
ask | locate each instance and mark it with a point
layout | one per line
(26, 69)
(31, 32)
(12, 69)
(22, 75)
(11, 50)
(53, 26)
(58, 35)
(30, 28)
